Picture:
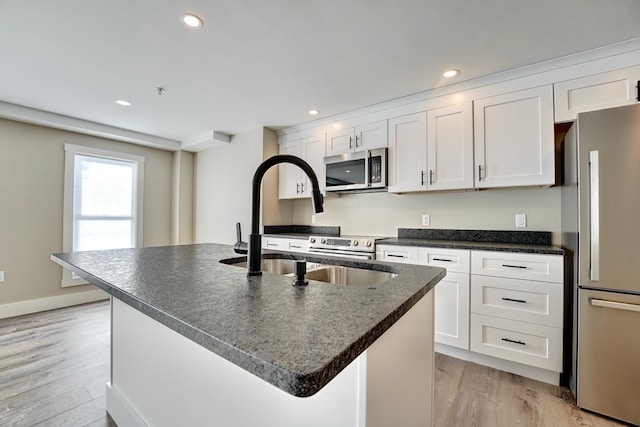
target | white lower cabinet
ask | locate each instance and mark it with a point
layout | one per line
(502, 309)
(451, 304)
(517, 307)
(285, 244)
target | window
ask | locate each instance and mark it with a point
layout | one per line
(102, 202)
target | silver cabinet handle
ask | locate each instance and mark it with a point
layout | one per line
(351, 143)
(302, 188)
(616, 305)
(443, 259)
(479, 173)
(297, 188)
(421, 177)
(430, 177)
(357, 141)
(594, 188)
(396, 256)
(271, 244)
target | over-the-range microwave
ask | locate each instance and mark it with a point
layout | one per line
(359, 171)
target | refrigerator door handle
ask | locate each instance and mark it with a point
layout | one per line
(594, 172)
(615, 305)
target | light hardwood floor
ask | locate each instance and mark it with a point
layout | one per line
(54, 367)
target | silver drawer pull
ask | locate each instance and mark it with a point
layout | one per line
(443, 259)
(514, 266)
(294, 246)
(521, 301)
(513, 341)
(395, 256)
(272, 244)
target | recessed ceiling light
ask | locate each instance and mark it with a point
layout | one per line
(191, 20)
(123, 103)
(451, 73)
(314, 112)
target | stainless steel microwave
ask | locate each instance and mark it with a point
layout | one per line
(360, 171)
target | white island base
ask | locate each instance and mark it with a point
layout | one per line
(161, 378)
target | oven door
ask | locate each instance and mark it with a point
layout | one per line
(361, 170)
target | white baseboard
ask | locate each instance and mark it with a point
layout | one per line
(50, 303)
(539, 374)
(120, 410)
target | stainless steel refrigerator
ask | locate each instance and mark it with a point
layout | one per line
(601, 233)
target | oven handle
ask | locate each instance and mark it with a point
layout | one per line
(342, 254)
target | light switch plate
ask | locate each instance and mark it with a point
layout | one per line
(1, 276)
(426, 220)
(521, 220)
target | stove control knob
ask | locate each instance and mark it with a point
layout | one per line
(368, 243)
(312, 239)
(323, 241)
(355, 243)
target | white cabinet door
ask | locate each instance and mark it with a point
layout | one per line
(408, 153)
(514, 139)
(293, 182)
(340, 141)
(371, 136)
(450, 147)
(451, 294)
(289, 175)
(364, 137)
(605, 90)
(313, 151)
(452, 310)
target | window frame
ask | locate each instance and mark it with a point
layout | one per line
(71, 150)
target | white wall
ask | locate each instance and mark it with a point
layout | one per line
(31, 189)
(383, 213)
(224, 177)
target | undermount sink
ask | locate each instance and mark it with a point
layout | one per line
(328, 273)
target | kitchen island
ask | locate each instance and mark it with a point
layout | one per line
(197, 342)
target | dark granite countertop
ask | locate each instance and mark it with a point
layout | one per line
(536, 242)
(296, 338)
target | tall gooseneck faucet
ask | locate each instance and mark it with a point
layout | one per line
(255, 238)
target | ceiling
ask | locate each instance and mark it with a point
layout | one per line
(267, 63)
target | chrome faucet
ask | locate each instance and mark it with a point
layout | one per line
(255, 238)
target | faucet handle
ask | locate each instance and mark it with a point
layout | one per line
(240, 247)
(300, 269)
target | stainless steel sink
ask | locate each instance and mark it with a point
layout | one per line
(336, 274)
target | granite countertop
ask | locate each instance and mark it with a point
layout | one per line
(536, 242)
(296, 338)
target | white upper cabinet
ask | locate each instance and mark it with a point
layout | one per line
(293, 182)
(514, 139)
(408, 153)
(365, 137)
(595, 92)
(450, 147)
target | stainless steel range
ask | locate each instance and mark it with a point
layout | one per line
(355, 247)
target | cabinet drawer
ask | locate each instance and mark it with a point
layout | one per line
(454, 260)
(524, 300)
(400, 254)
(546, 268)
(297, 245)
(275, 244)
(521, 342)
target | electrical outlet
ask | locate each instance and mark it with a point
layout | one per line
(1, 276)
(426, 220)
(313, 219)
(521, 220)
